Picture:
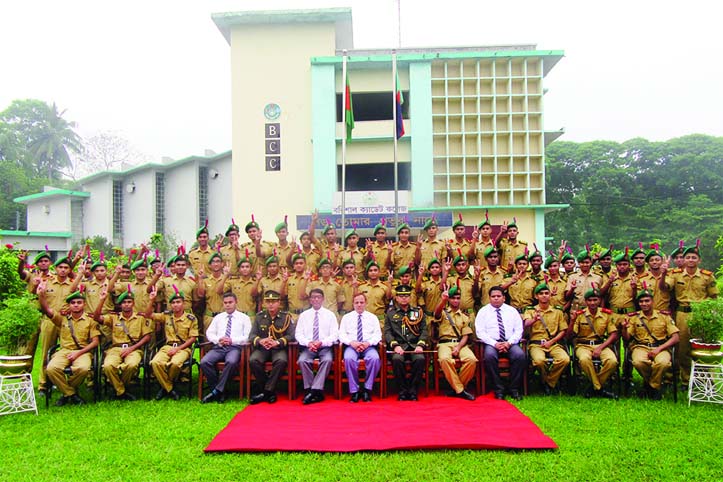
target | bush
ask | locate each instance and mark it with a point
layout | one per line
(706, 320)
(10, 283)
(19, 320)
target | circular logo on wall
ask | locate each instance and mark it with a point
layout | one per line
(272, 111)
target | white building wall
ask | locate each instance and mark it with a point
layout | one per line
(139, 207)
(49, 214)
(220, 208)
(182, 202)
(98, 208)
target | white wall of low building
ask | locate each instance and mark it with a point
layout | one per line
(49, 214)
(139, 206)
(98, 208)
(182, 202)
(220, 207)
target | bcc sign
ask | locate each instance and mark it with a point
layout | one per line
(272, 148)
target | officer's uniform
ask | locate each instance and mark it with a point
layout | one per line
(647, 333)
(592, 330)
(408, 330)
(552, 322)
(167, 367)
(125, 333)
(453, 325)
(281, 328)
(75, 334)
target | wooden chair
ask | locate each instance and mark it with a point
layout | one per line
(342, 379)
(388, 371)
(333, 373)
(239, 377)
(292, 351)
(439, 375)
(503, 365)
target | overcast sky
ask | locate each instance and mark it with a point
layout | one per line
(157, 71)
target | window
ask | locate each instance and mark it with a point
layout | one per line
(202, 195)
(160, 202)
(372, 106)
(375, 177)
(118, 209)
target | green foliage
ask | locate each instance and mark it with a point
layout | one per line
(19, 320)
(165, 244)
(706, 320)
(10, 283)
(623, 193)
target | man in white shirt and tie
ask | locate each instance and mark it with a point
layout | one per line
(360, 333)
(228, 331)
(499, 327)
(316, 332)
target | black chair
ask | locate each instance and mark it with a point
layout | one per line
(142, 379)
(566, 380)
(579, 376)
(94, 375)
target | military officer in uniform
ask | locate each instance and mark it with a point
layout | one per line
(403, 251)
(271, 333)
(232, 252)
(381, 250)
(651, 334)
(200, 256)
(406, 334)
(510, 245)
(429, 248)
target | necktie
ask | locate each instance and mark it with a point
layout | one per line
(316, 326)
(500, 325)
(359, 331)
(228, 327)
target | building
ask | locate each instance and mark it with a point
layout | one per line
(475, 140)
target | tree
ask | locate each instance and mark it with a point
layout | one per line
(104, 151)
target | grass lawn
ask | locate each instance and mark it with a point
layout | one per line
(629, 439)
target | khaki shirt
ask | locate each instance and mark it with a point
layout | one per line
(521, 291)
(428, 250)
(198, 259)
(293, 291)
(177, 330)
(241, 287)
(479, 251)
(431, 294)
(140, 294)
(313, 256)
(699, 286)
(402, 255)
(510, 251)
(333, 293)
(185, 285)
(382, 255)
(93, 290)
(348, 290)
(137, 326)
(583, 283)
(466, 283)
(377, 301)
(214, 301)
(461, 322)
(596, 327)
(267, 249)
(273, 284)
(56, 291)
(554, 322)
(84, 328)
(356, 255)
(661, 326)
(456, 246)
(283, 253)
(661, 298)
(232, 256)
(620, 294)
(488, 279)
(557, 287)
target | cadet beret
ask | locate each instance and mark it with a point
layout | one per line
(232, 227)
(251, 224)
(41, 255)
(272, 295)
(622, 257)
(433, 261)
(540, 287)
(459, 222)
(690, 249)
(215, 255)
(638, 250)
(534, 254)
(679, 250)
(63, 260)
(347, 262)
(643, 293)
(128, 293)
(171, 260)
(592, 293)
(282, 225)
(521, 257)
(77, 294)
(327, 228)
(454, 291)
(486, 221)
(566, 256)
(349, 233)
(655, 251)
(139, 263)
(430, 222)
(607, 252)
(583, 255)
(203, 229)
(549, 260)
(402, 226)
(324, 261)
(370, 264)
(175, 294)
(513, 224)
(488, 252)
(458, 259)
(379, 227)
(403, 290)
(298, 256)
(403, 270)
(271, 259)
(97, 264)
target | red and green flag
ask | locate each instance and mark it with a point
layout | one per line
(398, 101)
(349, 114)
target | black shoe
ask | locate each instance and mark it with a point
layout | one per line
(403, 395)
(213, 395)
(546, 389)
(76, 400)
(606, 394)
(161, 394)
(317, 396)
(354, 397)
(367, 396)
(466, 395)
(499, 395)
(515, 395)
(126, 396)
(412, 397)
(270, 397)
(174, 394)
(308, 398)
(42, 392)
(221, 397)
(655, 394)
(62, 401)
(590, 392)
(258, 398)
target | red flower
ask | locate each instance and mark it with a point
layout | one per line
(9, 246)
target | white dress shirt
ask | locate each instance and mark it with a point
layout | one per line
(371, 329)
(488, 330)
(240, 328)
(328, 327)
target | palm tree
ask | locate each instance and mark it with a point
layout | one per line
(53, 141)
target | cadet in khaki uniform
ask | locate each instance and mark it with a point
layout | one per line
(209, 286)
(454, 332)
(353, 252)
(284, 250)
(139, 285)
(429, 291)
(459, 244)
(181, 331)
(510, 245)
(333, 293)
(328, 246)
(180, 280)
(468, 284)
(57, 288)
(232, 252)
(621, 286)
(580, 282)
(297, 298)
(273, 281)
(547, 327)
(638, 258)
(651, 334)
(404, 278)
(556, 283)
(271, 332)
(660, 285)
(481, 242)
(349, 282)
(378, 293)
(492, 275)
(677, 255)
(381, 250)
(595, 332)
(130, 332)
(403, 252)
(95, 286)
(312, 255)
(604, 264)
(262, 249)
(691, 284)
(199, 257)
(78, 338)
(520, 284)
(430, 248)
(406, 334)
(240, 285)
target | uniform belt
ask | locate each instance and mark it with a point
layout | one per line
(428, 313)
(622, 311)
(538, 342)
(685, 309)
(122, 345)
(590, 343)
(655, 344)
(449, 340)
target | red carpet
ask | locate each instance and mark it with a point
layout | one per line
(340, 426)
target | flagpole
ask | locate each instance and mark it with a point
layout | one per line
(343, 146)
(394, 136)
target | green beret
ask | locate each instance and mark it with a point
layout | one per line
(379, 227)
(643, 294)
(203, 229)
(432, 261)
(403, 270)
(653, 252)
(458, 259)
(370, 264)
(540, 287)
(488, 252)
(513, 224)
(347, 262)
(403, 290)
(282, 225)
(272, 295)
(453, 291)
(486, 221)
(638, 250)
(182, 257)
(621, 257)
(324, 261)
(245, 259)
(582, 255)
(679, 250)
(607, 252)
(232, 227)
(691, 249)
(271, 259)
(534, 254)
(251, 224)
(63, 260)
(124, 295)
(74, 296)
(171, 260)
(41, 255)
(215, 255)
(549, 260)
(175, 294)
(592, 292)
(297, 256)
(137, 264)
(430, 222)
(566, 257)
(520, 258)
(402, 226)
(98, 264)
(349, 233)
(327, 228)
(458, 222)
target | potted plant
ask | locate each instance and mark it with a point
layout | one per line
(706, 330)
(19, 321)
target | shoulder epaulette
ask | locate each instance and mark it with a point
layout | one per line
(530, 308)
(634, 313)
(706, 272)
(606, 310)
(521, 242)
(190, 317)
(508, 275)
(677, 270)
(167, 312)
(665, 312)
(558, 307)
